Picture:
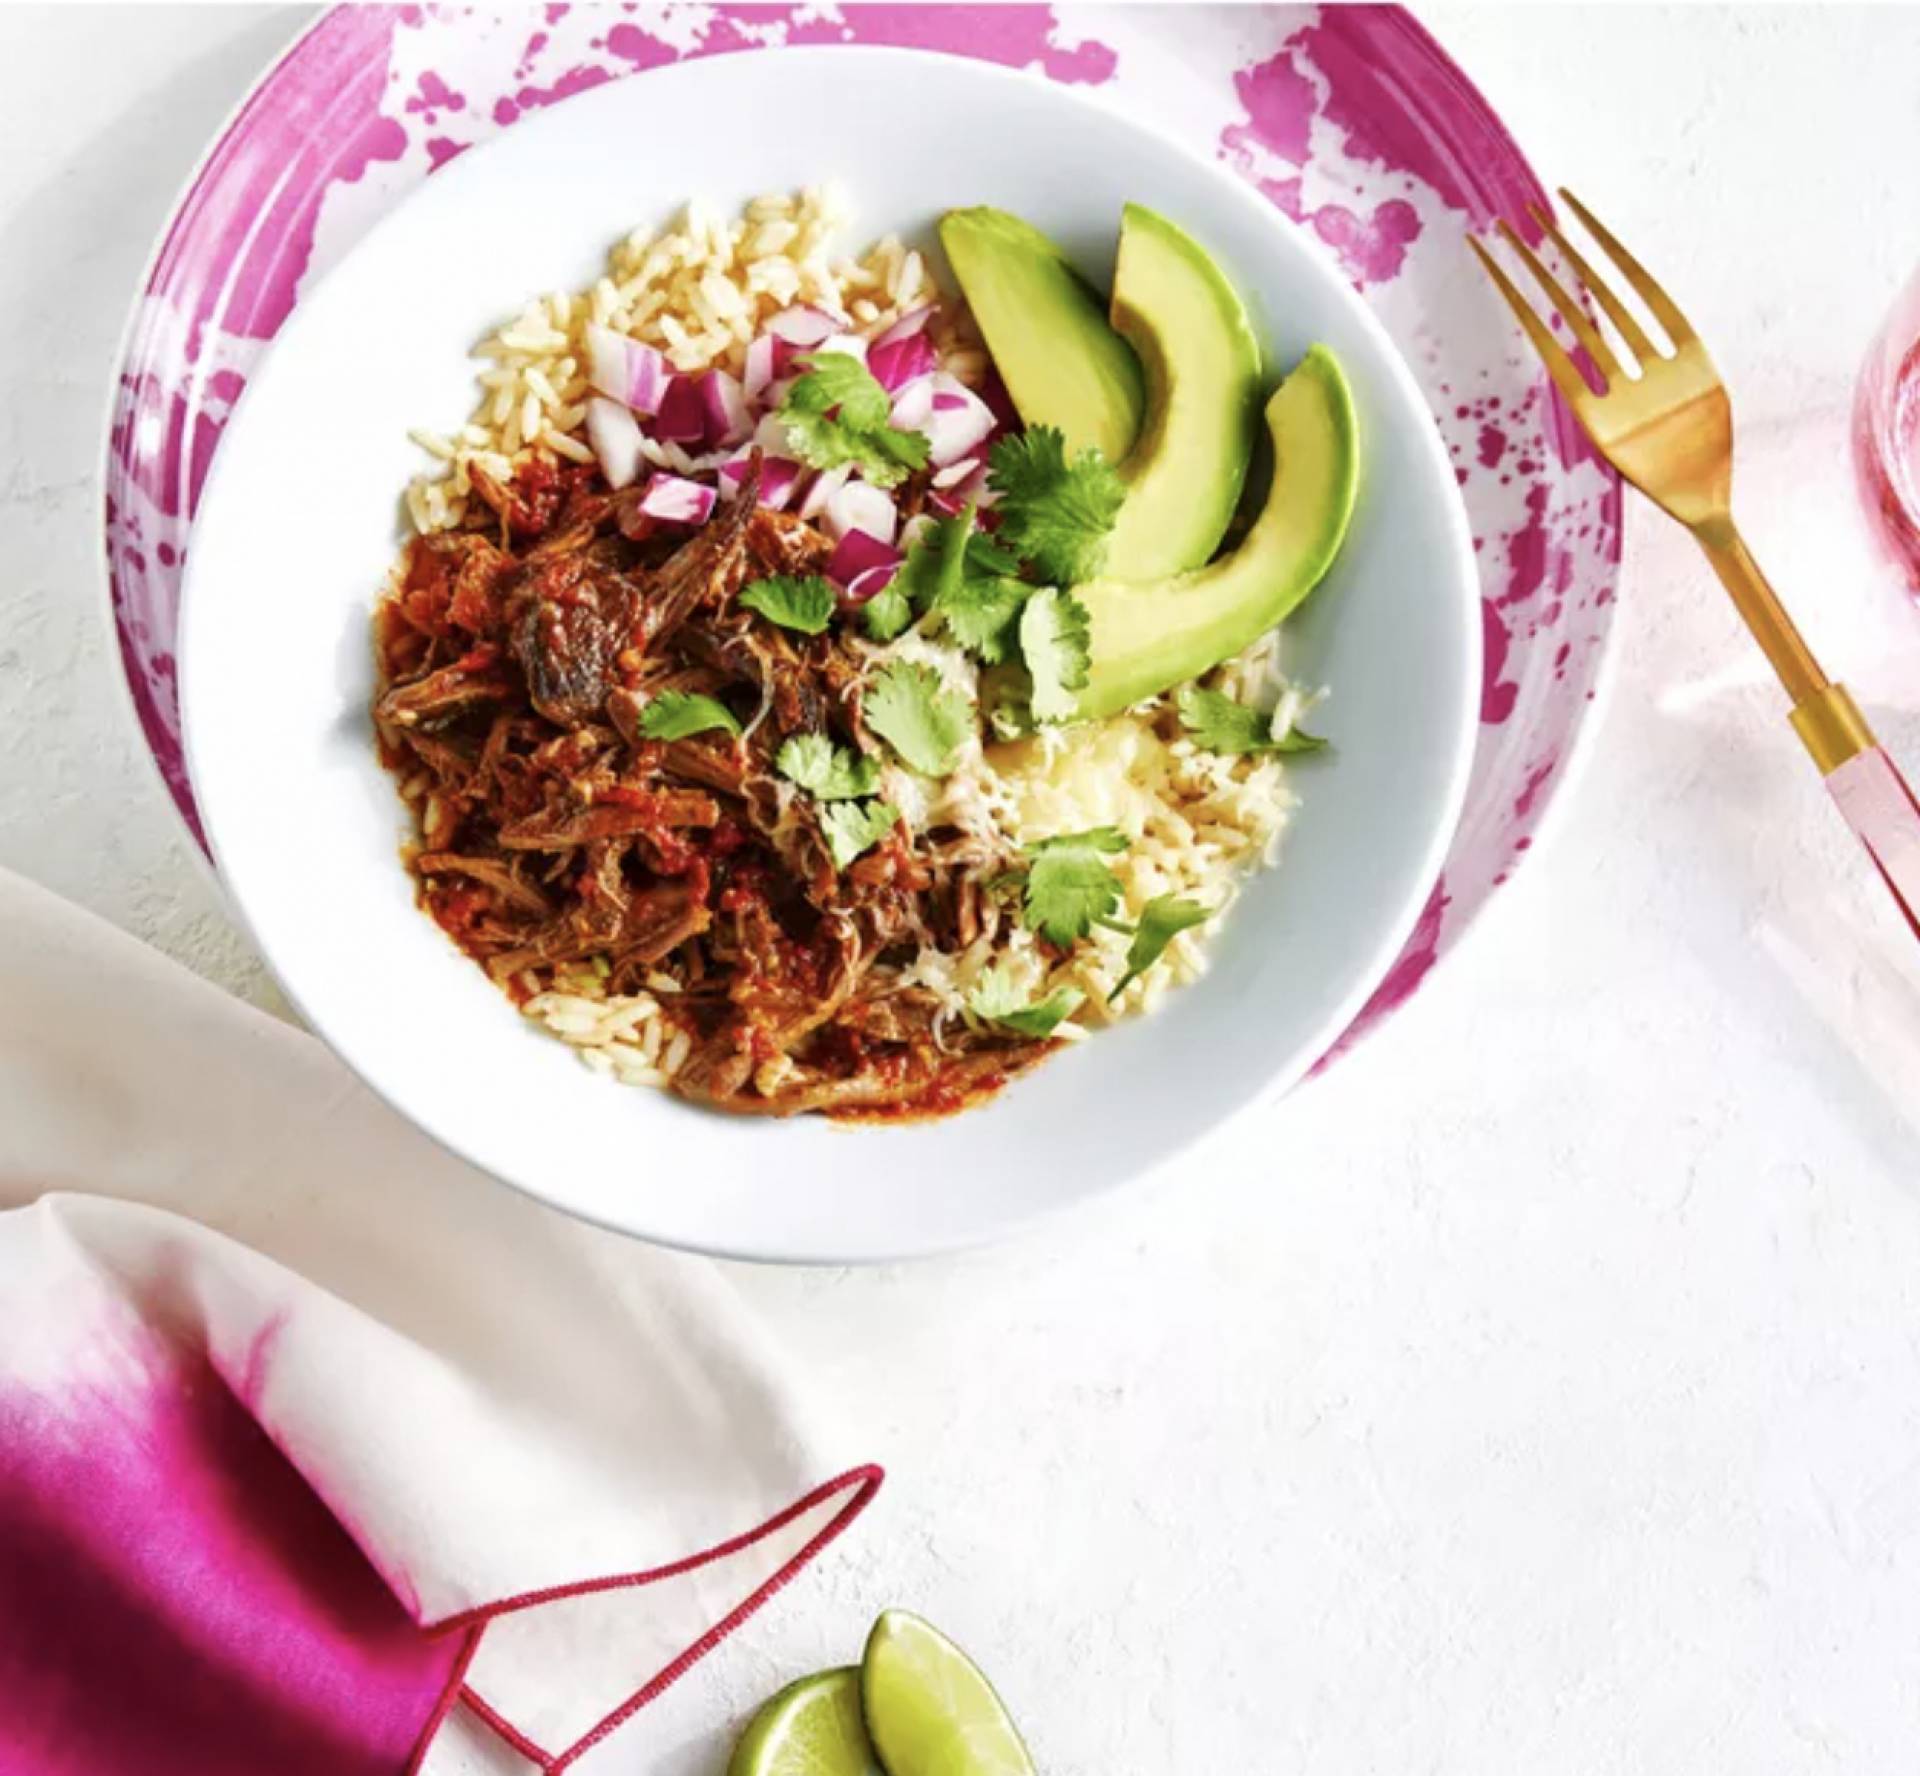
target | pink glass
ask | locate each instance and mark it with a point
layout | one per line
(1886, 434)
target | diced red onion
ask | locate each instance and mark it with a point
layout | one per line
(825, 486)
(913, 405)
(677, 501)
(865, 584)
(804, 326)
(682, 418)
(959, 422)
(858, 554)
(725, 406)
(972, 490)
(762, 365)
(899, 362)
(955, 472)
(772, 436)
(915, 530)
(860, 507)
(909, 326)
(615, 436)
(625, 370)
(779, 476)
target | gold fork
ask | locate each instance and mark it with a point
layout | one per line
(1669, 430)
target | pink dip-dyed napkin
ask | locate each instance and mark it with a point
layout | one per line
(320, 1453)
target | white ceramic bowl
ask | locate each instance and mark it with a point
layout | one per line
(301, 521)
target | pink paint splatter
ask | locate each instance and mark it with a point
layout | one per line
(639, 48)
(1280, 103)
(582, 78)
(435, 95)
(1497, 695)
(1371, 250)
(1527, 549)
(1530, 790)
(1014, 36)
(1384, 93)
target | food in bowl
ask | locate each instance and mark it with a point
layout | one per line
(817, 691)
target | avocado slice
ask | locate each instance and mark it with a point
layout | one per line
(1148, 637)
(1062, 363)
(1203, 400)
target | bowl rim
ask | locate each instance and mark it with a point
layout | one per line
(1380, 954)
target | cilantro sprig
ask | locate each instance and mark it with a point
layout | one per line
(923, 719)
(1221, 725)
(1056, 513)
(836, 412)
(800, 602)
(1069, 889)
(678, 715)
(964, 578)
(1162, 919)
(829, 773)
(997, 998)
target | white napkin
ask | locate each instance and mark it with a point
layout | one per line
(496, 1402)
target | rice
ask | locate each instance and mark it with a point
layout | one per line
(623, 1035)
(1197, 823)
(700, 291)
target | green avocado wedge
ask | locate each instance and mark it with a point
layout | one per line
(1062, 362)
(1189, 463)
(1149, 636)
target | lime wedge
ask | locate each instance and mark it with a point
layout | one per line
(811, 1728)
(929, 1709)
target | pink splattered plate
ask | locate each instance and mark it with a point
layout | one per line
(1352, 121)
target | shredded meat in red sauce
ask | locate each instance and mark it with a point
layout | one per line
(516, 657)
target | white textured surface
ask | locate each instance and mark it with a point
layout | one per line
(1541, 1390)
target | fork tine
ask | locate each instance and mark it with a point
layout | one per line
(1596, 286)
(1634, 272)
(1570, 311)
(1552, 353)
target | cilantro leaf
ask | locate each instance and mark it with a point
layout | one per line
(1055, 513)
(1162, 919)
(921, 718)
(835, 381)
(855, 827)
(804, 602)
(675, 715)
(1054, 630)
(836, 412)
(888, 612)
(981, 604)
(1222, 725)
(1069, 890)
(831, 773)
(997, 999)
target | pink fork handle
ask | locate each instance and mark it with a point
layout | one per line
(1869, 790)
